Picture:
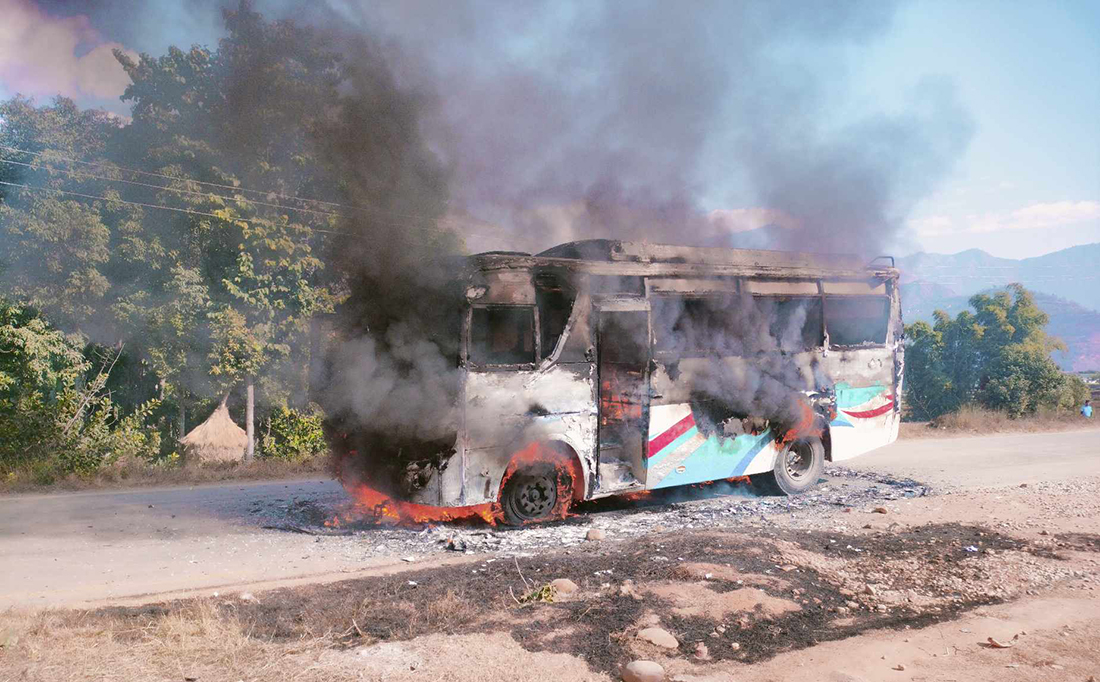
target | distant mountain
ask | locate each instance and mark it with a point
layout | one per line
(1072, 274)
(1076, 325)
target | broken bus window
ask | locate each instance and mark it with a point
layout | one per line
(855, 320)
(793, 321)
(502, 335)
(686, 325)
(554, 310)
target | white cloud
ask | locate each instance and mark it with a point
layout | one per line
(1038, 216)
(43, 55)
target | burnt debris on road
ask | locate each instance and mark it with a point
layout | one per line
(720, 505)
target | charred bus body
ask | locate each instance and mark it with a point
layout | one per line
(604, 367)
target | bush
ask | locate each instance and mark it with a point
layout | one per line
(293, 435)
(54, 420)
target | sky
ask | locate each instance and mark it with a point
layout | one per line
(1026, 73)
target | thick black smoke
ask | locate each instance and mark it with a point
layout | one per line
(563, 120)
(603, 119)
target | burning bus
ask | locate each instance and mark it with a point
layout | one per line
(603, 367)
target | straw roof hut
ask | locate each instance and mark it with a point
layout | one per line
(218, 439)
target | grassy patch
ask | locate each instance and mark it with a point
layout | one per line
(136, 474)
(976, 421)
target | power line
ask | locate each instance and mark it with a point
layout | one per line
(165, 208)
(172, 177)
(172, 189)
(367, 209)
(203, 213)
(219, 196)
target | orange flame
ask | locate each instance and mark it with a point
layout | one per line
(570, 483)
(804, 427)
(372, 503)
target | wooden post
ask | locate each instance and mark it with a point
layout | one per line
(250, 418)
(182, 424)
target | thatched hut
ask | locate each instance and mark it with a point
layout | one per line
(218, 439)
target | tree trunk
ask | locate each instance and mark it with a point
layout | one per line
(250, 418)
(313, 375)
(182, 421)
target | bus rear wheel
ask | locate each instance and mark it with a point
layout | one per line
(797, 468)
(535, 493)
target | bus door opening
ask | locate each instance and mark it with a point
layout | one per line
(623, 356)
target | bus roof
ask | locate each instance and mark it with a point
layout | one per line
(610, 256)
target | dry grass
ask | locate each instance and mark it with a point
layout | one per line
(976, 421)
(139, 474)
(200, 640)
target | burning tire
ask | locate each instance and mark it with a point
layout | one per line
(797, 468)
(534, 493)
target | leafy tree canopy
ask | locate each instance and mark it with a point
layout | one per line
(997, 356)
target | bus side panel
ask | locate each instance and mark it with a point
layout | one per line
(866, 414)
(506, 410)
(679, 453)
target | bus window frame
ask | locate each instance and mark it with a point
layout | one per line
(519, 366)
(661, 296)
(867, 344)
(823, 333)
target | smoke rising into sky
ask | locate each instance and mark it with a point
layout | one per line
(589, 119)
(646, 120)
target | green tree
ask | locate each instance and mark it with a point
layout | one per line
(55, 416)
(240, 117)
(55, 247)
(997, 356)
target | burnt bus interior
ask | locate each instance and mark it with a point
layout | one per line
(618, 312)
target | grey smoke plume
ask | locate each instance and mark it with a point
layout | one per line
(628, 120)
(736, 357)
(588, 118)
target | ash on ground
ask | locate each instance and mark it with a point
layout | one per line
(719, 505)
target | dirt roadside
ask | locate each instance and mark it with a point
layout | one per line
(87, 548)
(827, 592)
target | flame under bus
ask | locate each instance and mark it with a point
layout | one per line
(625, 366)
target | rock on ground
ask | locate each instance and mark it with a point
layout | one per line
(564, 586)
(660, 637)
(643, 671)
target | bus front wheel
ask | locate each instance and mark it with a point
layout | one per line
(797, 467)
(538, 492)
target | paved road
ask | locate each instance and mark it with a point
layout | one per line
(67, 548)
(988, 461)
(63, 549)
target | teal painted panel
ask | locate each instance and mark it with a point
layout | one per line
(717, 459)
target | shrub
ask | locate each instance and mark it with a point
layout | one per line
(53, 419)
(293, 435)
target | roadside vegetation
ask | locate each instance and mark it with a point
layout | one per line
(154, 267)
(978, 421)
(988, 369)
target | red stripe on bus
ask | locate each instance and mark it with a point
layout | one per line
(678, 429)
(878, 411)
